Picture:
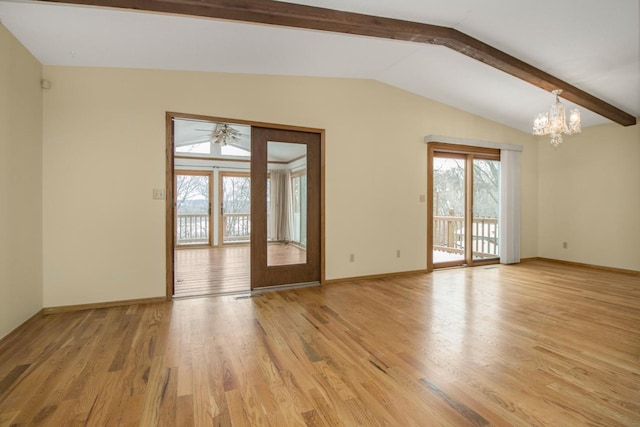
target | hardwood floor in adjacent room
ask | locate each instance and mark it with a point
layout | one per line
(226, 269)
(532, 344)
(210, 271)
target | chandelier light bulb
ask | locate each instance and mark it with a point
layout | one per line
(554, 123)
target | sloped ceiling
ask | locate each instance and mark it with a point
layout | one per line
(593, 45)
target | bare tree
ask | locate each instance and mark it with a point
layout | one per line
(190, 188)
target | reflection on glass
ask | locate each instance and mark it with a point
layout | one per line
(486, 193)
(286, 203)
(448, 209)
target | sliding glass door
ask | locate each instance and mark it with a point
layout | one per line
(464, 187)
(486, 206)
(449, 201)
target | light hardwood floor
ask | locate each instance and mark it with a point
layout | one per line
(532, 344)
(211, 271)
(208, 271)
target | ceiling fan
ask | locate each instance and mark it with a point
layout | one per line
(223, 134)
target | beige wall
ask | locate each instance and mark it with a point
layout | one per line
(20, 184)
(590, 197)
(103, 236)
(104, 152)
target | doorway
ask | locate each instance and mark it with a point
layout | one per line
(287, 218)
(464, 194)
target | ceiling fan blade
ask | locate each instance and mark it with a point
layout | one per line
(236, 145)
(192, 141)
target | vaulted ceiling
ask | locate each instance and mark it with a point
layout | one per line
(591, 45)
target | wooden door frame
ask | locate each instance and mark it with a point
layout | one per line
(169, 186)
(470, 153)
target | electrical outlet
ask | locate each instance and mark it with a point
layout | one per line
(565, 245)
(398, 253)
(352, 257)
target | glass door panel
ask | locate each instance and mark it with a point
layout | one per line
(235, 208)
(284, 198)
(486, 206)
(448, 209)
(193, 208)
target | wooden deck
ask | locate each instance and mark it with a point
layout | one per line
(213, 271)
(533, 344)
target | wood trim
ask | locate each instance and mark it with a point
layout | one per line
(16, 332)
(322, 208)
(169, 207)
(242, 122)
(478, 152)
(375, 276)
(580, 264)
(429, 196)
(451, 264)
(316, 18)
(440, 139)
(93, 306)
(486, 261)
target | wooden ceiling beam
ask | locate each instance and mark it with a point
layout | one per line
(316, 18)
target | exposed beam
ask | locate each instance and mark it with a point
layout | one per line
(316, 18)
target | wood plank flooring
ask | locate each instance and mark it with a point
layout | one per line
(532, 344)
(226, 269)
(210, 271)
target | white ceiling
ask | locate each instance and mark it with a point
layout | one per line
(591, 44)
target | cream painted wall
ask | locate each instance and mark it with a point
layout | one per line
(20, 184)
(590, 197)
(104, 152)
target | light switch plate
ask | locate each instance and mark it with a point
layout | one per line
(158, 193)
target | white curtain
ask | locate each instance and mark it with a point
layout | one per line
(509, 206)
(280, 217)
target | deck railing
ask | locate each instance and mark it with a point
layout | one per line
(449, 235)
(236, 227)
(192, 229)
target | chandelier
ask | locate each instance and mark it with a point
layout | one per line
(554, 122)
